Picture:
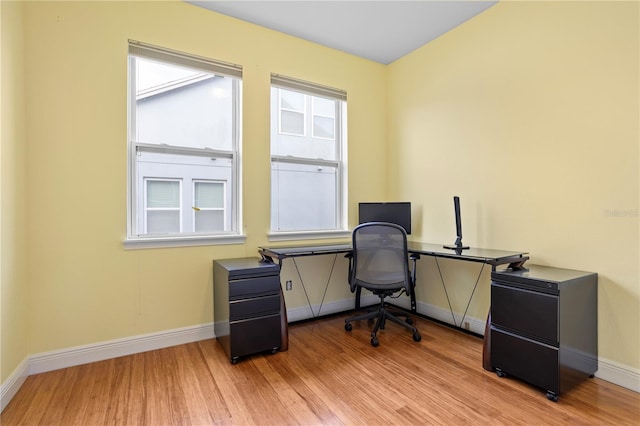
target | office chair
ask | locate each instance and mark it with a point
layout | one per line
(380, 264)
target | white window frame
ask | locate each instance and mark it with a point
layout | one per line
(135, 239)
(340, 162)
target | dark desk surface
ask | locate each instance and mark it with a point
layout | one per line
(490, 256)
(296, 251)
(474, 254)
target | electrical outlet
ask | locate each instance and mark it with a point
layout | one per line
(289, 285)
(466, 325)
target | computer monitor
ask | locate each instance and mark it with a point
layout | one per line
(392, 212)
(458, 243)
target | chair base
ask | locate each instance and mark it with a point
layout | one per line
(384, 313)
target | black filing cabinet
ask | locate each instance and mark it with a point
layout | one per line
(544, 326)
(246, 306)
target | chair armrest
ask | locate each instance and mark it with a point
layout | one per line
(350, 257)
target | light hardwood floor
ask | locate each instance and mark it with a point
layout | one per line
(328, 376)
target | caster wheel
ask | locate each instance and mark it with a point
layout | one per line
(348, 326)
(417, 337)
(501, 373)
(275, 350)
(552, 396)
(409, 321)
(234, 361)
(374, 342)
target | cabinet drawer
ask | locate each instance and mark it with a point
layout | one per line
(254, 286)
(254, 307)
(255, 335)
(525, 359)
(526, 312)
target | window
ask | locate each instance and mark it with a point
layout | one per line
(184, 139)
(292, 110)
(209, 211)
(162, 206)
(308, 146)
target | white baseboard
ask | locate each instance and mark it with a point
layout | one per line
(314, 311)
(618, 374)
(79, 355)
(475, 325)
(13, 383)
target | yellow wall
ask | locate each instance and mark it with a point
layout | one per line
(13, 176)
(536, 105)
(85, 286)
(530, 113)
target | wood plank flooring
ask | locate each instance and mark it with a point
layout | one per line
(327, 377)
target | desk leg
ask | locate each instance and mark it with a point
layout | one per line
(284, 324)
(486, 345)
(414, 258)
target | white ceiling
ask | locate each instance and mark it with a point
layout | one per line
(381, 31)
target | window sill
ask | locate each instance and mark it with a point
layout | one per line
(308, 235)
(191, 241)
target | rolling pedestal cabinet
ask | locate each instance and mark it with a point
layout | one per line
(544, 326)
(247, 306)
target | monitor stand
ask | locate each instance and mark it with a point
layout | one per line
(455, 247)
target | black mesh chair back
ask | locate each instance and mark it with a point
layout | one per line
(380, 258)
(380, 264)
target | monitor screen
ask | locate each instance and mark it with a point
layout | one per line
(394, 212)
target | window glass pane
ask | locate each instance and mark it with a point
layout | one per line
(293, 142)
(182, 107)
(323, 127)
(153, 75)
(303, 197)
(291, 100)
(209, 221)
(209, 195)
(163, 221)
(292, 122)
(206, 180)
(163, 193)
(322, 106)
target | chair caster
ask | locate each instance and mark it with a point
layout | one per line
(374, 342)
(417, 337)
(409, 321)
(348, 326)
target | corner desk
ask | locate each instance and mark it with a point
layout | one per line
(513, 259)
